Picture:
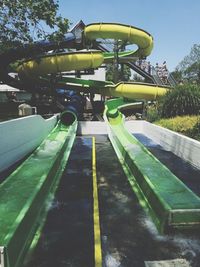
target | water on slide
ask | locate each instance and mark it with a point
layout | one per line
(128, 235)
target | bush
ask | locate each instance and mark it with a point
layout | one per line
(182, 100)
(152, 113)
(187, 125)
(195, 133)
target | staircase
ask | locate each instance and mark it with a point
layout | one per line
(156, 77)
(171, 80)
(108, 46)
(151, 78)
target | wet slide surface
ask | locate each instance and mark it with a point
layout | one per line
(67, 238)
(128, 236)
(188, 174)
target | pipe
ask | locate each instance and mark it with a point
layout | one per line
(68, 117)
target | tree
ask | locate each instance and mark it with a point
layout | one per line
(178, 75)
(137, 78)
(190, 65)
(124, 73)
(24, 21)
(193, 72)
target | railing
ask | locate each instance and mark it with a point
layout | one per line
(171, 80)
(154, 73)
(151, 76)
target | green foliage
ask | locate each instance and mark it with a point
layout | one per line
(24, 21)
(182, 100)
(187, 125)
(137, 78)
(178, 75)
(124, 73)
(109, 72)
(195, 133)
(190, 65)
(194, 56)
(152, 113)
(193, 72)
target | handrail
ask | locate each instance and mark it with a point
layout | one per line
(171, 80)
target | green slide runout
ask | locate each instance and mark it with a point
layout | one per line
(27, 192)
(168, 200)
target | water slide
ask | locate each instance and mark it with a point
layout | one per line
(176, 212)
(152, 182)
(57, 63)
(26, 193)
(170, 203)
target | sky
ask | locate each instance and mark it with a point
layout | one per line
(174, 24)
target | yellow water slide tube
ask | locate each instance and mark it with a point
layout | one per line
(136, 91)
(126, 33)
(80, 60)
(56, 63)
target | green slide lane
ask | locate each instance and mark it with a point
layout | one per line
(169, 201)
(27, 192)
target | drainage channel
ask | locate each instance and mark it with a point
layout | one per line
(126, 236)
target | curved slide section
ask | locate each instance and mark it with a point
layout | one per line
(136, 91)
(24, 51)
(92, 59)
(126, 33)
(61, 62)
(132, 91)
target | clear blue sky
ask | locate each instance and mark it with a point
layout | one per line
(174, 24)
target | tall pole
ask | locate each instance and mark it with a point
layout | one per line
(116, 62)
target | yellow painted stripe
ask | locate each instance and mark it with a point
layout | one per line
(97, 234)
